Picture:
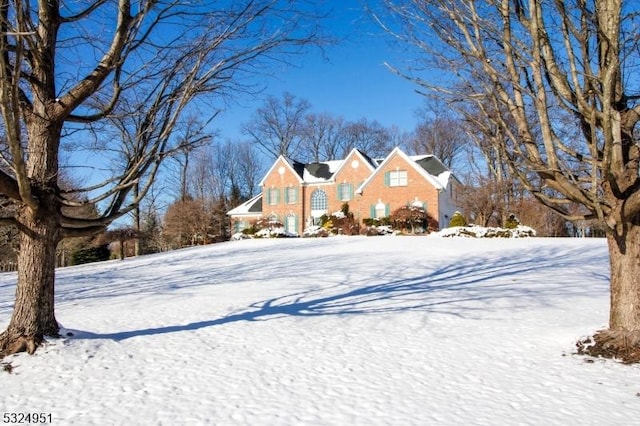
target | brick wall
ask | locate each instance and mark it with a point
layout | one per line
(416, 189)
(354, 171)
(282, 177)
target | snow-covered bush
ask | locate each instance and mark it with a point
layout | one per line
(374, 230)
(264, 228)
(240, 236)
(386, 230)
(315, 231)
(483, 232)
(275, 232)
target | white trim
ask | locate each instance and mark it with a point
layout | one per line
(428, 176)
(275, 163)
(357, 152)
(243, 209)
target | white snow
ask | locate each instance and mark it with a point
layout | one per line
(332, 331)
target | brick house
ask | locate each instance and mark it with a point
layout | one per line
(298, 194)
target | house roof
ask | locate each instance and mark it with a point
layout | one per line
(324, 171)
(432, 165)
(320, 171)
(250, 207)
(429, 166)
(296, 167)
(356, 152)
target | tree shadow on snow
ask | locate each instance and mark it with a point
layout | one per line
(466, 288)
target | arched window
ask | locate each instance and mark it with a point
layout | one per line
(381, 210)
(318, 200)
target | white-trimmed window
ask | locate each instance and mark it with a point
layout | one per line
(240, 225)
(273, 196)
(291, 223)
(319, 200)
(398, 178)
(345, 192)
(291, 195)
(381, 210)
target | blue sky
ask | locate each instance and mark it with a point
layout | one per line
(351, 81)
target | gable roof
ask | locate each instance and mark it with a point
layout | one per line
(250, 207)
(432, 165)
(318, 172)
(429, 166)
(294, 166)
(423, 164)
(355, 151)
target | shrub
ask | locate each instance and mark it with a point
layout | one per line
(413, 219)
(458, 220)
(90, 254)
(315, 231)
(375, 221)
(340, 222)
(269, 228)
(483, 232)
(250, 230)
(512, 222)
(370, 221)
(345, 209)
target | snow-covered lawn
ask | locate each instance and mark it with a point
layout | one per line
(333, 331)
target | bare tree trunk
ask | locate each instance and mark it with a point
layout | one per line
(625, 280)
(39, 221)
(34, 315)
(136, 222)
(622, 338)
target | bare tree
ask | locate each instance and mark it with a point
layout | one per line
(546, 222)
(155, 60)
(276, 126)
(484, 200)
(223, 168)
(249, 171)
(537, 63)
(370, 137)
(193, 136)
(148, 226)
(186, 223)
(441, 135)
(222, 175)
(491, 187)
(323, 137)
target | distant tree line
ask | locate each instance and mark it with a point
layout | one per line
(289, 127)
(207, 177)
